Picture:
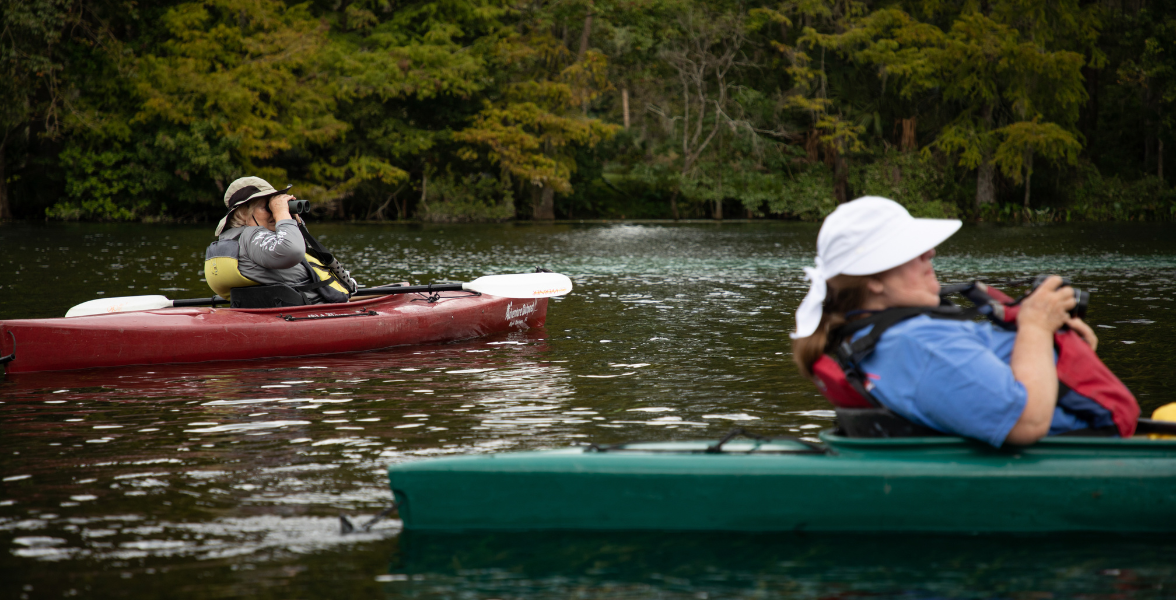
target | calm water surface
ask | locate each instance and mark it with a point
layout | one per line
(227, 479)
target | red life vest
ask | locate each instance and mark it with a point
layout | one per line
(1101, 398)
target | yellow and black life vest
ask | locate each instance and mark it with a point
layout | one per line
(223, 273)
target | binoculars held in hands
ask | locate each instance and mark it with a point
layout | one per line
(1081, 296)
(299, 207)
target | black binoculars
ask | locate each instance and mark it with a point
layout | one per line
(299, 207)
(1081, 296)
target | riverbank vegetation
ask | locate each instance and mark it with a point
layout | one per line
(487, 110)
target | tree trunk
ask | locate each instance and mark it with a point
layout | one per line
(5, 209)
(424, 192)
(985, 186)
(674, 205)
(908, 143)
(1149, 134)
(544, 209)
(986, 172)
(840, 176)
(718, 211)
(812, 146)
(1028, 176)
(1160, 159)
(625, 105)
(1090, 114)
(584, 35)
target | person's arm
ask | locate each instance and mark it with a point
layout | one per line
(279, 249)
(1041, 314)
(951, 379)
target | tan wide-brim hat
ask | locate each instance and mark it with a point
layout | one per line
(242, 191)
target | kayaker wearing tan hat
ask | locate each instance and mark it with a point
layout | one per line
(249, 200)
(956, 376)
(265, 257)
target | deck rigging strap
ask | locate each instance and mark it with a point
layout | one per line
(346, 526)
(434, 296)
(362, 313)
(808, 447)
(739, 431)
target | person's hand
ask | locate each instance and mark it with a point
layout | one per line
(1048, 307)
(1083, 330)
(279, 206)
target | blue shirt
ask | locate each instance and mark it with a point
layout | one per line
(953, 376)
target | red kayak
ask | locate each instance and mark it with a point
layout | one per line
(190, 335)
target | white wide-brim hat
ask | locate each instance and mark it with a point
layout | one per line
(242, 191)
(863, 237)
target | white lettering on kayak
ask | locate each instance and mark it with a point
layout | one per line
(516, 314)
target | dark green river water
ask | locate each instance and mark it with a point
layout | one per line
(203, 481)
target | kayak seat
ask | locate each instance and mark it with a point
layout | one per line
(267, 296)
(878, 423)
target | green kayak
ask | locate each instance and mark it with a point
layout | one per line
(927, 484)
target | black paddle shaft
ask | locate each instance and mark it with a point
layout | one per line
(376, 291)
(410, 289)
(213, 301)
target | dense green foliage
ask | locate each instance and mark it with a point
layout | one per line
(485, 110)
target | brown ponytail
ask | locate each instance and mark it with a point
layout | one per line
(846, 293)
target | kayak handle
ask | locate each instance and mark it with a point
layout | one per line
(11, 357)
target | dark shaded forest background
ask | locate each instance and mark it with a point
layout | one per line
(485, 110)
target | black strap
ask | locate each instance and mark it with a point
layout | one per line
(324, 256)
(314, 248)
(849, 353)
(856, 350)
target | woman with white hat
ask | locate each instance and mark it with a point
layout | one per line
(955, 376)
(266, 253)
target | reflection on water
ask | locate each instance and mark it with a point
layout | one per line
(679, 565)
(226, 479)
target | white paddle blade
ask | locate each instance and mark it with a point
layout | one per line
(102, 306)
(522, 285)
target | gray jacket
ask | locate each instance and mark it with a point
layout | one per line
(269, 257)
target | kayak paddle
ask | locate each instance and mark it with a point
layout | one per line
(519, 285)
